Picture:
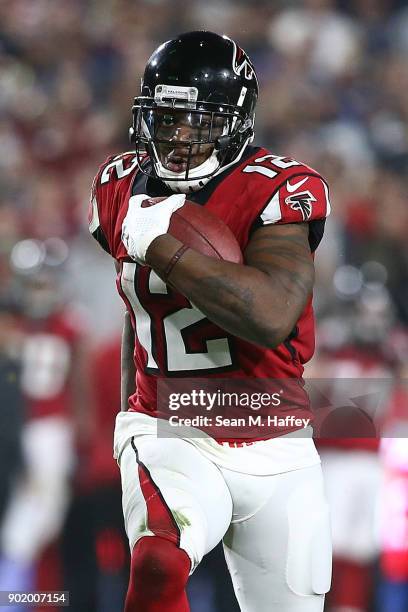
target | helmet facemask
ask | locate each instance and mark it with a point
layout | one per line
(188, 141)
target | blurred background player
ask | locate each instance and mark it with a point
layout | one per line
(94, 543)
(348, 357)
(54, 385)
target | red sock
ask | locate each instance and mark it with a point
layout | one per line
(158, 576)
(351, 584)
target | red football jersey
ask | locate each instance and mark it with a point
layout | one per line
(48, 350)
(341, 367)
(173, 338)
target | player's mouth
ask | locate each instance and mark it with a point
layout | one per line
(176, 163)
(178, 160)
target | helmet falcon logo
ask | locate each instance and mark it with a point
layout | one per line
(240, 63)
(301, 202)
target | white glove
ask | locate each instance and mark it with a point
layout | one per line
(142, 225)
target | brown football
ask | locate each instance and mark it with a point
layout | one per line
(199, 229)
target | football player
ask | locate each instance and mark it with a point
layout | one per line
(189, 315)
(55, 388)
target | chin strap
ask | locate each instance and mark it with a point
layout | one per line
(210, 166)
(191, 186)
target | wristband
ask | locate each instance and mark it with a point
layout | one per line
(177, 255)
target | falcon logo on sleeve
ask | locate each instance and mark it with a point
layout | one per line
(302, 202)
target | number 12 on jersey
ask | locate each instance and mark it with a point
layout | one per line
(175, 329)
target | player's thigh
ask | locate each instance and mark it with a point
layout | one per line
(171, 490)
(280, 557)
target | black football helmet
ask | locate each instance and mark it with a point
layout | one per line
(195, 115)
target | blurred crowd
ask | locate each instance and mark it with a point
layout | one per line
(333, 93)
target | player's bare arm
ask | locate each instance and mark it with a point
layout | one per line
(127, 370)
(260, 301)
(127, 365)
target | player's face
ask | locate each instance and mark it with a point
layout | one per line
(177, 130)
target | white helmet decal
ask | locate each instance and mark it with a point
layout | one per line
(240, 63)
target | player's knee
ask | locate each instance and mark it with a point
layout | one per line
(158, 565)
